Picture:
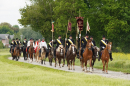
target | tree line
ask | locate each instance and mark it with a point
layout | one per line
(106, 17)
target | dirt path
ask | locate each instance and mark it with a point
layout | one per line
(111, 74)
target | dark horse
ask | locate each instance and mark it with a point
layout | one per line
(30, 51)
(50, 56)
(105, 56)
(96, 50)
(70, 56)
(87, 55)
(60, 53)
(16, 53)
(24, 52)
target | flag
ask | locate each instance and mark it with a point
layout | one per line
(69, 26)
(88, 27)
(52, 27)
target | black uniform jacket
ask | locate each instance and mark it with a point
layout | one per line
(69, 42)
(58, 42)
(24, 43)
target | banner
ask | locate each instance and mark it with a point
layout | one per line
(80, 23)
(52, 27)
(69, 26)
(88, 27)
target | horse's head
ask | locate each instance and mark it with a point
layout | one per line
(61, 49)
(96, 50)
(109, 46)
(43, 49)
(89, 44)
(72, 48)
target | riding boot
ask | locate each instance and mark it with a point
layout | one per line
(99, 56)
(110, 54)
(10, 50)
(54, 53)
(81, 53)
(93, 53)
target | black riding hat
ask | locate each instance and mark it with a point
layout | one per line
(16, 38)
(70, 36)
(25, 38)
(103, 36)
(86, 35)
(91, 36)
(59, 36)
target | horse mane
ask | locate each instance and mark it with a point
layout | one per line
(58, 49)
(71, 46)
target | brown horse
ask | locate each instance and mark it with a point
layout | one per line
(37, 55)
(30, 52)
(43, 55)
(16, 53)
(87, 55)
(105, 56)
(70, 56)
(50, 56)
(60, 55)
(96, 50)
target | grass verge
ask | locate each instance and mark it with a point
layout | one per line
(14, 73)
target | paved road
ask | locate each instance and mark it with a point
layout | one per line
(111, 74)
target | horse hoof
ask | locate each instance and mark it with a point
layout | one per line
(74, 69)
(106, 72)
(62, 65)
(82, 69)
(68, 68)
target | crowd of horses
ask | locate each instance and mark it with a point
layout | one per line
(62, 55)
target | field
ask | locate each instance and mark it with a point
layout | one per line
(14, 73)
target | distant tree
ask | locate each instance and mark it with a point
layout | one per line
(15, 28)
(1, 44)
(6, 30)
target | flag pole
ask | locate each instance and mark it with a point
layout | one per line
(52, 40)
(80, 38)
(87, 26)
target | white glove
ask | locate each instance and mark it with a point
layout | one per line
(103, 47)
(52, 40)
(65, 39)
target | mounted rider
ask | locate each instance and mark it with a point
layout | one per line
(16, 42)
(93, 44)
(28, 44)
(12, 46)
(103, 44)
(42, 43)
(83, 43)
(58, 42)
(70, 41)
(25, 42)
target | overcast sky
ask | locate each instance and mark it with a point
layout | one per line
(9, 10)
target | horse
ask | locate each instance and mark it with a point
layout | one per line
(30, 51)
(37, 55)
(43, 54)
(24, 52)
(50, 56)
(16, 53)
(96, 50)
(105, 56)
(87, 55)
(70, 56)
(60, 53)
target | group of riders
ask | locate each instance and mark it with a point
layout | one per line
(59, 41)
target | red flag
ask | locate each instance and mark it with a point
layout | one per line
(52, 27)
(69, 26)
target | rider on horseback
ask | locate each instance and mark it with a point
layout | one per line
(93, 44)
(12, 46)
(42, 43)
(103, 44)
(28, 44)
(83, 43)
(58, 42)
(24, 42)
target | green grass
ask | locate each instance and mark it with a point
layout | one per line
(14, 73)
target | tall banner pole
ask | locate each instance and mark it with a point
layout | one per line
(52, 37)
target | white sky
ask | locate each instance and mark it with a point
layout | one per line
(9, 10)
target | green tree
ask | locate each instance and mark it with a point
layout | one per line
(6, 30)
(16, 28)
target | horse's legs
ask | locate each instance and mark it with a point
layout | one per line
(82, 62)
(86, 66)
(59, 63)
(55, 62)
(106, 67)
(44, 60)
(103, 66)
(68, 64)
(91, 65)
(63, 62)
(73, 64)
